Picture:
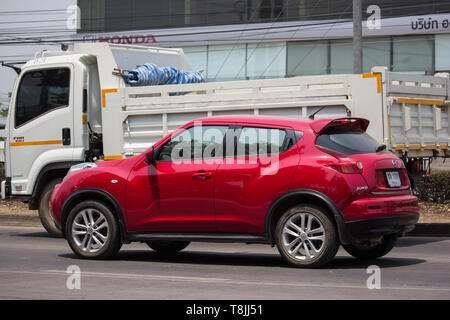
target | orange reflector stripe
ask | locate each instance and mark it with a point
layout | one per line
(104, 91)
(421, 101)
(112, 157)
(34, 143)
(374, 75)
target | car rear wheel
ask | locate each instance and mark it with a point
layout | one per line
(92, 231)
(306, 237)
(369, 250)
(166, 246)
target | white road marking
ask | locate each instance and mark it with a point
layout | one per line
(219, 280)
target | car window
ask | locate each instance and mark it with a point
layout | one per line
(196, 142)
(41, 91)
(347, 141)
(255, 141)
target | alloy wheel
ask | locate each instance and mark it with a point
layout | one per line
(303, 236)
(90, 230)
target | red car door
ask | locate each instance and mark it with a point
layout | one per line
(176, 193)
(248, 182)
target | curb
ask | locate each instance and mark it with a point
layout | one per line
(421, 229)
(20, 220)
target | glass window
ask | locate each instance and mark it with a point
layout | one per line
(341, 52)
(226, 62)
(197, 57)
(196, 142)
(41, 91)
(266, 60)
(255, 141)
(120, 15)
(307, 58)
(442, 43)
(376, 52)
(347, 141)
(413, 54)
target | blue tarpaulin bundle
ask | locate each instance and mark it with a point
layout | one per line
(150, 75)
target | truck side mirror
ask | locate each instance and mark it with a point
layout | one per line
(149, 156)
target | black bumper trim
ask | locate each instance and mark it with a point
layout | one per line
(397, 224)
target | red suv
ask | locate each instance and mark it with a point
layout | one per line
(305, 185)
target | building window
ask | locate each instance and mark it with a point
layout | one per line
(298, 58)
(341, 59)
(376, 52)
(413, 54)
(442, 49)
(266, 60)
(226, 62)
(197, 56)
(307, 58)
(119, 15)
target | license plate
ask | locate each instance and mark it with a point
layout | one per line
(393, 179)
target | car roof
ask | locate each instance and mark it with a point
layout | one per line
(295, 123)
(317, 125)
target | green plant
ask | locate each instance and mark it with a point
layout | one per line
(434, 187)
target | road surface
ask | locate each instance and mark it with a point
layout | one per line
(34, 266)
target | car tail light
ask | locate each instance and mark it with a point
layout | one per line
(348, 166)
(381, 179)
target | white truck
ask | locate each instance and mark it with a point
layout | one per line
(74, 106)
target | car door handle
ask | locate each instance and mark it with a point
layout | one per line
(202, 175)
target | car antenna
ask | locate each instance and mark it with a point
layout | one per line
(312, 116)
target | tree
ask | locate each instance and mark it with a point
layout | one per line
(4, 111)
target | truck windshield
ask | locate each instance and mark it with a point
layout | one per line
(347, 141)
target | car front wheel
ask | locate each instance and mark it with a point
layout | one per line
(92, 231)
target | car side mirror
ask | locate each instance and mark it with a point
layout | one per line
(149, 156)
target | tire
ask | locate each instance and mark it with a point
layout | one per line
(167, 246)
(84, 236)
(296, 243)
(365, 252)
(45, 212)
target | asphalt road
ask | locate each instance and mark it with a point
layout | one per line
(34, 266)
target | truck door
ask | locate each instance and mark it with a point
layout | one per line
(41, 124)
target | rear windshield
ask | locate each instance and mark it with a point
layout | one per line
(347, 141)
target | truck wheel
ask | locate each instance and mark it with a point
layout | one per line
(45, 213)
(92, 231)
(166, 246)
(306, 237)
(372, 251)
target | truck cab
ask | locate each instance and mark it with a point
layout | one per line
(55, 120)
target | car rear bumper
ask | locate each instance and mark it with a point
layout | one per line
(381, 207)
(381, 215)
(381, 226)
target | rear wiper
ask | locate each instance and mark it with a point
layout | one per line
(381, 148)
